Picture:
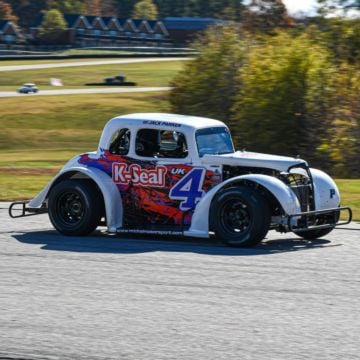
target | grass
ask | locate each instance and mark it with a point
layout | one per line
(144, 74)
(350, 195)
(73, 122)
(39, 134)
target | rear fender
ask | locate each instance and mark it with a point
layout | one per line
(112, 198)
(284, 195)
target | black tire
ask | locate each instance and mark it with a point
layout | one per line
(318, 233)
(240, 217)
(313, 234)
(75, 207)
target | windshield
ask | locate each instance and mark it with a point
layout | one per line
(214, 141)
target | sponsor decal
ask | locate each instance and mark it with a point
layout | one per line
(332, 193)
(135, 174)
(161, 123)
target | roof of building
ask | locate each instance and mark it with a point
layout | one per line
(190, 23)
(3, 23)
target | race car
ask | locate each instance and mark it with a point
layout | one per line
(180, 175)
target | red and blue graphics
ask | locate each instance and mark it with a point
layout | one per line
(154, 195)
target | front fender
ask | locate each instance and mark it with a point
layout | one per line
(112, 198)
(285, 196)
(327, 195)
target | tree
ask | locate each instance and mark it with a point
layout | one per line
(6, 12)
(272, 91)
(338, 6)
(344, 119)
(283, 99)
(53, 27)
(265, 16)
(207, 85)
(67, 6)
(93, 7)
(27, 10)
(145, 9)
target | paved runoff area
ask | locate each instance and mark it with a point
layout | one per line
(123, 297)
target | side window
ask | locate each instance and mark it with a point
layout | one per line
(173, 145)
(147, 142)
(120, 142)
(161, 144)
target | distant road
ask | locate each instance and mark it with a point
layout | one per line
(86, 91)
(88, 63)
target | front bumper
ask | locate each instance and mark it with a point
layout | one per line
(318, 219)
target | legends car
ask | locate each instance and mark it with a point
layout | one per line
(28, 88)
(174, 174)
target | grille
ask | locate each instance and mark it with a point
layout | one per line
(302, 193)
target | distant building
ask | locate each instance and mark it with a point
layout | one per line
(9, 33)
(185, 29)
(109, 31)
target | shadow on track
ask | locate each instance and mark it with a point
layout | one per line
(101, 243)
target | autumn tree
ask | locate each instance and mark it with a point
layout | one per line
(344, 120)
(145, 9)
(273, 92)
(53, 27)
(6, 12)
(67, 6)
(265, 16)
(282, 103)
(208, 84)
(93, 7)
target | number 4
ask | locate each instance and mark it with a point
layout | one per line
(188, 189)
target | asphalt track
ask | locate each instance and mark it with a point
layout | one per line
(88, 63)
(112, 297)
(98, 90)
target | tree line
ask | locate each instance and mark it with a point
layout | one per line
(291, 90)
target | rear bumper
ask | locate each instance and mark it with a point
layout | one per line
(19, 209)
(319, 219)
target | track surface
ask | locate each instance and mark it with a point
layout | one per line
(106, 297)
(98, 90)
(88, 63)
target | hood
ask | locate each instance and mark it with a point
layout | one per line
(250, 159)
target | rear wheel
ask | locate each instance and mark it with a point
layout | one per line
(240, 217)
(75, 207)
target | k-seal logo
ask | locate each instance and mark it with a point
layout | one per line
(135, 174)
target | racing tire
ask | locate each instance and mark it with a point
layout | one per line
(313, 234)
(75, 207)
(317, 233)
(240, 217)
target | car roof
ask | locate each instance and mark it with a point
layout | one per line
(184, 123)
(168, 120)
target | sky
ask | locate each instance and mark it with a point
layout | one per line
(297, 6)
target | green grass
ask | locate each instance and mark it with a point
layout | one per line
(74, 122)
(350, 195)
(144, 74)
(39, 134)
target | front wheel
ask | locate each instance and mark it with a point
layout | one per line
(318, 233)
(75, 207)
(240, 217)
(313, 234)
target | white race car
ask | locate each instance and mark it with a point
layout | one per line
(174, 174)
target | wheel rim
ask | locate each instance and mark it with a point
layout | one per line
(235, 217)
(70, 208)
